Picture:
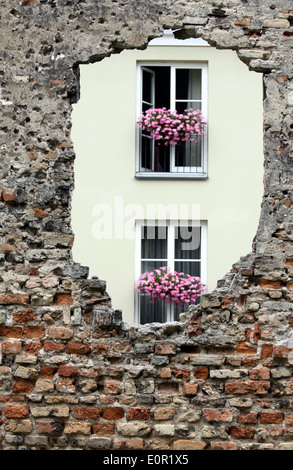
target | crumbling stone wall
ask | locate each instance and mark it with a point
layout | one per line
(72, 374)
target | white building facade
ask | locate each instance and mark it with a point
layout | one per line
(138, 205)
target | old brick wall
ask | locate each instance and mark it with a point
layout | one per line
(73, 375)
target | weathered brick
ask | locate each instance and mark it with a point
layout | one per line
(190, 389)
(112, 387)
(165, 347)
(23, 386)
(242, 432)
(11, 347)
(262, 373)
(68, 371)
(50, 346)
(60, 333)
(224, 445)
(15, 411)
(32, 332)
(63, 298)
(11, 331)
(164, 413)
(271, 417)
(202, 373)
(19, 426)
(244, 387)
(113, 413)
(14, 299)
(218, 415)
(104, 428)
(137, 414)
(247, 418)
(86, 413)
(184, 444)
(183, 374)
(127, 444)
(77, 347)
(24, 316)
(77, 427)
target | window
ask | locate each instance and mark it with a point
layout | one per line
(181, 248)
(173, 86)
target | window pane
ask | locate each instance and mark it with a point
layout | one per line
(149, 312)
(181, 106)
(187, 243)
(188, 84)
(189, 154)
(154, 243)
(147, 86)
(188, 267)
(146, 152)
(162, 157)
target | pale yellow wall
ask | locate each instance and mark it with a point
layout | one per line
(104, 140)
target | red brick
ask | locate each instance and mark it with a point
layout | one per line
(32, 347)
(14, 299)
(247, 418)
(165, 373)
(266, 351)
(11, 347)
(104, 428)
(50, 346)
(268, 284)
(244, 387)
(282, 351)
(54, 428)
(48, 372)
(289, 419)
(23, 386)
(99, 347)
(39, 213)
(183, 374)
(271, 417)
(224, 446)
(14, 411)
(68, 371)
(112, 387)
(262, 373)
(63, 299)
(113, 413)
(8, 197)
(202, 373)
(139, 414)
(65, 385)
(243, 348)
(77, 347)
(86, 413)
(24, 316)
(33, 332)
(128, 444)
(190, 389)
(6, 247)
(218, 415)
(11, 331)
(12, 398)
(252, 335)
(241, 432)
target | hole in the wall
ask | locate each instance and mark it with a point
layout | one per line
(99, 154)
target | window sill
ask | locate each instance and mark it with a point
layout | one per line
(173, 176)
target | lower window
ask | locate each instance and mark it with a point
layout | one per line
(181, 248)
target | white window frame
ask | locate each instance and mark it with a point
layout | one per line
(178, 172)
(170, 254)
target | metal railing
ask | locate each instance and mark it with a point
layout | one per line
(155, 158)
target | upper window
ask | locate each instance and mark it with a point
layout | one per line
(180, 87)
